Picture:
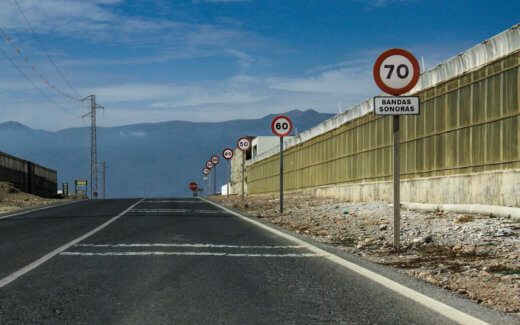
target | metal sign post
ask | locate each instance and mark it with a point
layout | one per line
(215, 160)
(243, 144)
(281, 126)
(227, 154)
(396, 72)
(209, 166)
(205, 172)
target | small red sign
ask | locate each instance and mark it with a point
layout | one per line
(281, 126)
(396, 71)
(193, 186)
(243, 144)
(205, 171)
(215, 160)
(209, 164)
(227, 153)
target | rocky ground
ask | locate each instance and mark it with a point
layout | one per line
(477, 256)
(12, 199)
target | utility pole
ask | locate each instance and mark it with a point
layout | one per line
(104, 178)
(93, 145)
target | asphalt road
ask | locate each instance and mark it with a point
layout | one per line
(182, 261)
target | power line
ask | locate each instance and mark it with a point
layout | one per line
(32, 83)
(33, 68)
(44, 49)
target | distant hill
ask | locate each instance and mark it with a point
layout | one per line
(144, 160)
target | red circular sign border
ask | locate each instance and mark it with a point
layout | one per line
(210, 159)
(194, 186)
(411, 84)
(274, 130)
(247, 141)
(232, 153)
(207, 165)
(203, 169)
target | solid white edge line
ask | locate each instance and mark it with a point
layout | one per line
(13, 276)
(190, 245)
(38, 209)
(186, 254)
(437, 306)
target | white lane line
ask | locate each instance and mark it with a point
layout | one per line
(187, 254)
(187, 245)
(13, 276)
(437, 306)
(175, 211)
(38, 209)
(172, 201)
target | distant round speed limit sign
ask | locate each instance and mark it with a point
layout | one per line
(396, 71)
(205, 171)
(209, 164)
(281, 126)
(243, 144)
(215, 160)
(227, 153)
(193, 186)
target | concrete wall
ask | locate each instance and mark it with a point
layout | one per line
(464, 145)
(493, 188)
(236, 173)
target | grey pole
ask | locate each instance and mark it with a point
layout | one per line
(397, 178)
(227, 174)
(209, 183)
(215, 180)
(281, 175)
(243, 172)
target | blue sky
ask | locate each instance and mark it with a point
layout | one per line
(214, 60)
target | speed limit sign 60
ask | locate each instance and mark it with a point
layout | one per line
(243, 144)
(281, 126)
(215, 160)
(205, 171)
(396, 71)
(209, 164)
(227, 153)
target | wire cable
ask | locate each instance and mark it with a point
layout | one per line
(45, 50)
(33, 84)
(33, 68)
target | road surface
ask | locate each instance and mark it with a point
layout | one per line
(185, 261)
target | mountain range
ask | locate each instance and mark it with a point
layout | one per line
(143, 160)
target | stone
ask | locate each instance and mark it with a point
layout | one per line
(457, 248)
(383, 227)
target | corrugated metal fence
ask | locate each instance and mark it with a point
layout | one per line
(467, 124)
(28, 176)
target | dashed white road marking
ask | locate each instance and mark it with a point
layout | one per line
(175, 211)
(172, 201)
(38, 209)
(189, 245)
(437, 306)
(13, 276)
(188, 254)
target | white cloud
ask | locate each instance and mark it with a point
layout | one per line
(341, 81)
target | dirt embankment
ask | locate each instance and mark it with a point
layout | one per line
(12, 199)
(477, 256)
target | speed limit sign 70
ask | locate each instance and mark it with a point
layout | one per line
(396, 71)
(209, 164)
(243, 144)
(215, 160)
(281, 126)
(227, 153)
